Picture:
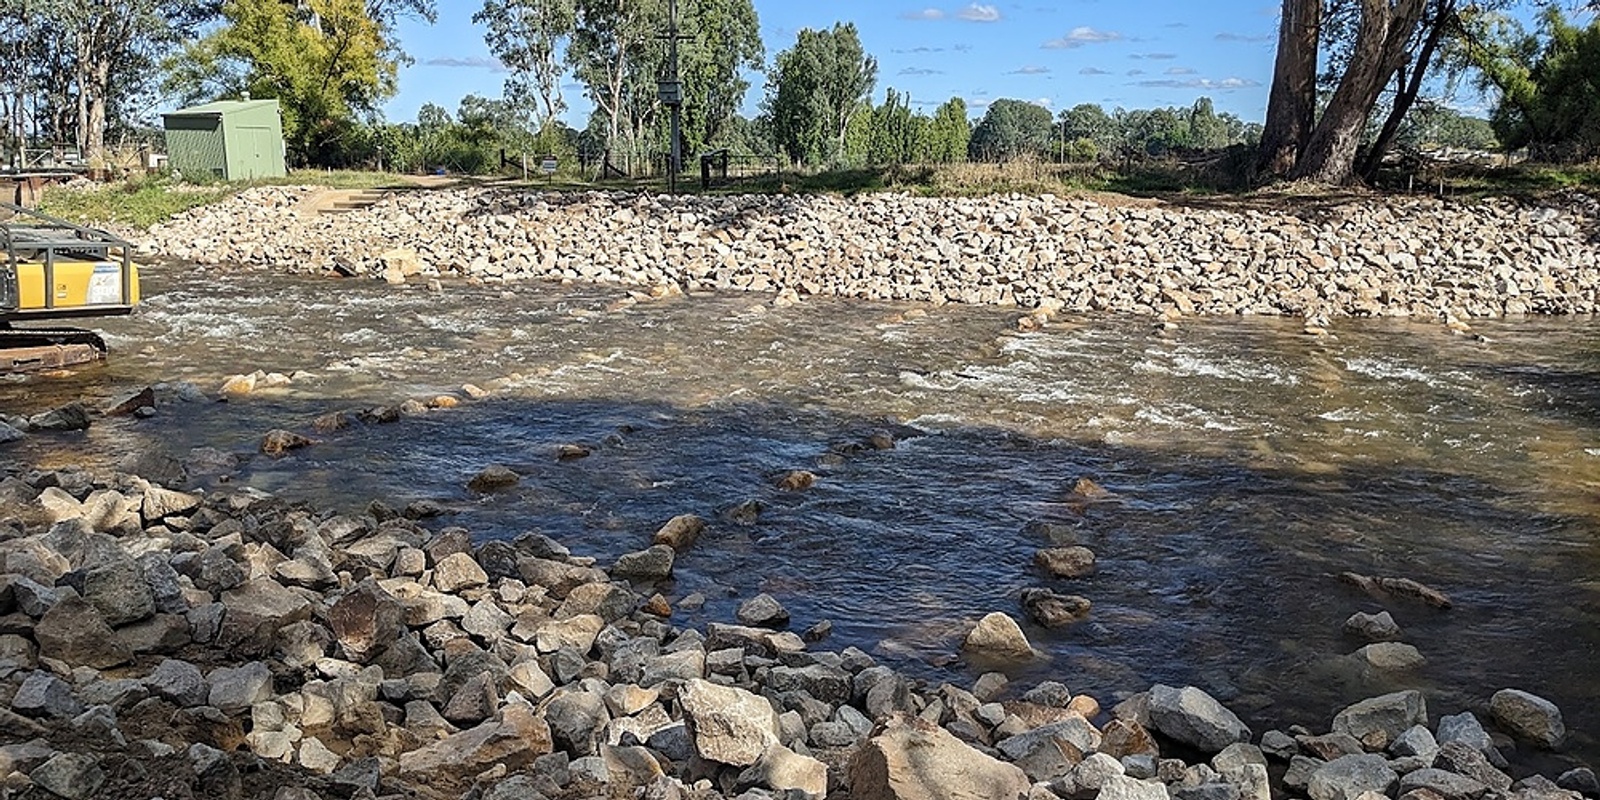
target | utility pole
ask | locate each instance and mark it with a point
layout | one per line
(672, 97)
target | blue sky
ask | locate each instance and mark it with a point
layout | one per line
(1112, 52)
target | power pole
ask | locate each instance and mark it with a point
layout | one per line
(672, 97)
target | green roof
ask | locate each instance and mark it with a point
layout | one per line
(220, 108)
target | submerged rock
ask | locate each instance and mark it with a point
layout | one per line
(1528, 717)
(997, 635)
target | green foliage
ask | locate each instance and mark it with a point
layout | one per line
(1089, 131)
(327, 62)
(815, 89)
(1011, 129)
(948, 133)
(527, 36)
(1549, 85)
(725, 42)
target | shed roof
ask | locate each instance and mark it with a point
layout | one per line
(219, 108)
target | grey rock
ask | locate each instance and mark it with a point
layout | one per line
(1376, 722)
(1581, 780)
(1122, 787)
(1279, 745)
(1462, 759)
(118, 590)
(74, 632)
(180, 682)
(99, 724)
(998, 636)
(729, 725)
(1528, 717)
(1194, 718)
(651, 564)
(1415, 742)
(1049, 693)
(1466, 729)
(43, 695)
(1348, 777)
(255, 610)
(828, 684)
(576, 720)
(763, 611)
(1214, 790)
(72, 776)
(1448, 785)
(236, 689)
(166, 592)
(1298, 776)
(1391, 656)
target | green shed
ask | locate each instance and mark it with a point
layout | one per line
(228, 139)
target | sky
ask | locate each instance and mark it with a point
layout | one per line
(1129, 53)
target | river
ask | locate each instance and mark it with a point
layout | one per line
(1250, 464)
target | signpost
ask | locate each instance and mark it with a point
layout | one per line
(548, 166)
(672, 97)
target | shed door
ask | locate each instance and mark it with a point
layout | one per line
(259, 153)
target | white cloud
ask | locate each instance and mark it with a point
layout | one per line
(1031, 69)
(470, 62)
(979, 13)
(1082, 35)
(1200, 83)
(1179, 71)
(1044, 102)
(926, 13)
(1093, 71)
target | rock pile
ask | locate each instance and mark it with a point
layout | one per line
(1372, 257)
(231, 644)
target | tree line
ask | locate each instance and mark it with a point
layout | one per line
(1351, 85)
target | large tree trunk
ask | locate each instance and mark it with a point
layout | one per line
(1330, 156)
(1292, 106)
(1407, 88)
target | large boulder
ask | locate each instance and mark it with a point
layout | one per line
(913, 759)
(1377, 722)
(785, 771)
(254, 611)
(515, 739)
(72, 776)
(729, 725)
(680, 532)
(117, 589)
(654, 563)
(1194, 718)
(998, 636)
(74, 632)
(366, 621)
(1528, 716)
(1348, 777)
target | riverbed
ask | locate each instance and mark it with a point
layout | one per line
(1249, 464)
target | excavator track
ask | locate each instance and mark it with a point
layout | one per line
(34, 349)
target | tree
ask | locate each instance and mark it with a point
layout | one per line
(611, 41)
(725, 42)
(949, 132)
(1292, 102)
(527, 36)
(896, 132)
(815, 88)
(1011, 129)
(1088, 130)
(1207, 131)
(325, 61)
(1549, 92)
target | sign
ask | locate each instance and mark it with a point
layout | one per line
(671, 93)
(548, 165)
(105, 285)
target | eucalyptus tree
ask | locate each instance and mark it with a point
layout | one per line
(528, 36)
(814, 90)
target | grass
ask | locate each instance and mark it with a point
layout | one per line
(144, 201)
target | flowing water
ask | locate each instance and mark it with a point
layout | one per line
(1250, 465)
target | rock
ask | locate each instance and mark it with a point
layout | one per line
(913, 759)
(236, 689)
(1051, 751)
(1378, 721)
(74, 632)
(45, 696)
(1398, 587)
(1066, 562)
(279, 443)
(828, 684)
(515, 739)
(785, 771)
(161, 503)
(1379, 627)
(1447, 785)
(651, 564)
(1466, 729)
(1391, 656)
(1528, 717)
(365, 621)
(797, 481)
(180, 682)
(1194, 718)
(763, 611)
(9, 434)
(72, 776)
(316, 757)
(70, 417)
(1417, 742)
(1581, 780)
(133, 403)
(1054, 610)
(1348, 777)
(238, 385)
(254, 611)
(493, 478)
(456, 572)
(215, 775)
(1123, 738)
(680, 532)
(997, 635)
(117, 589)
(474, 702)
(1462, 759)
(729, 725)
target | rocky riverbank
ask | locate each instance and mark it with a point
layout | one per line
(1380, 256)
(230, 644)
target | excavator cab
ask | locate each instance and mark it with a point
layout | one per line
(51, 269)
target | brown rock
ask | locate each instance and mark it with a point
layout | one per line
(279, 442)
(493, 478)
(74, 632)
(1122, 738)
(1066, 562)
(913, 759)
(796, 481)
(680, 532)
(365, 621)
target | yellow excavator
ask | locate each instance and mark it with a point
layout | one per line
(51, 269)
